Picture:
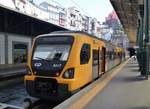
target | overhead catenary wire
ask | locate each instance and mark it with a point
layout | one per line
(80, 7)
(76, 4)
(58, 3)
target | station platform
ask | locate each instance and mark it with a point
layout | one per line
(8, 71)
(127, 90)
(122, 88)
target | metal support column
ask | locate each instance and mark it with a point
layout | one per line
(146, 31)
(140, 51)
(138, 44)
(6, 37)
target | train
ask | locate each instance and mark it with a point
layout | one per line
(63, 62)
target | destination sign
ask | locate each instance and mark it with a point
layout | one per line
(54, 39)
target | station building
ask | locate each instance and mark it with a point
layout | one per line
(17, 31)
(14, 48)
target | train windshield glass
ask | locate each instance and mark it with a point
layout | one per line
(51, 52)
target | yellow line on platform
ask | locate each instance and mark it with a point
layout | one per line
(83, 101)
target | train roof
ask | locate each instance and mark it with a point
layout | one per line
(79, 32)
(85, 33)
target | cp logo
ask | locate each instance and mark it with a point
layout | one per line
(37, 64)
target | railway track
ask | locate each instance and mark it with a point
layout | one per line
(15, 96)
(13, 93)
(41, 104)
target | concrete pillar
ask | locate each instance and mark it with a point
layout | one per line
(2, 49)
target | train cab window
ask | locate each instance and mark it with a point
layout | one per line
(85, 54)
(52, 52)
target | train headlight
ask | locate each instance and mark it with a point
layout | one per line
(69, 74)
(28, 70)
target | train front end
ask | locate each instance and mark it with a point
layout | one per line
(47, 67)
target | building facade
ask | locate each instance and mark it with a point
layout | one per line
(106, 32)
(118, 37)
(85, 25)
(15, 45)
(57, 14)
(74, 19)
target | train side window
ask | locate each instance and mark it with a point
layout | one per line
(85, 54)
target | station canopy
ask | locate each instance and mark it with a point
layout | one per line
(128, 13)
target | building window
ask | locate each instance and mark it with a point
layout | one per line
(20, 53)
(85, 54)
(72, 23)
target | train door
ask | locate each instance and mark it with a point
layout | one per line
(95, 67)
(103, 60)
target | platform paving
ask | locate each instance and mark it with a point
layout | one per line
(127, 90)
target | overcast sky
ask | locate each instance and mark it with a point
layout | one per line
(93, 8)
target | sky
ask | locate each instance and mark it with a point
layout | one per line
(93, 8)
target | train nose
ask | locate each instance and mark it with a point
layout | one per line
(42, 86)
(49, 86)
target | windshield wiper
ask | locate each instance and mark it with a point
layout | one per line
(41, 59)
(57, 56)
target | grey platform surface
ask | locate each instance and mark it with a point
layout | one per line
(127, 90)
